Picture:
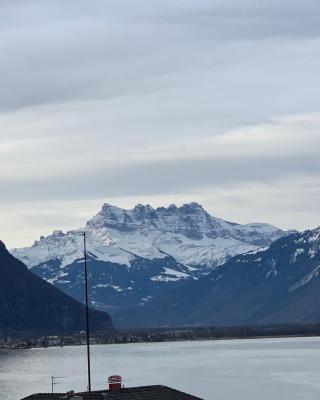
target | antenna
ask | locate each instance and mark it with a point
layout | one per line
(54, 382)
(87, 310)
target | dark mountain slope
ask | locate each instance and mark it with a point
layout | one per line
(114, 286)
(278, 284)
(29, 305)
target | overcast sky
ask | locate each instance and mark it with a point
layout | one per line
(159, 102)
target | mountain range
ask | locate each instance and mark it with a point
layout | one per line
(277, 284)
(29, 305)
(138, 255)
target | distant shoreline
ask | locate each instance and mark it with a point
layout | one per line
(165, 341)
(166, 335)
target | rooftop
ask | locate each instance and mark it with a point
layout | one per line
(156, 392)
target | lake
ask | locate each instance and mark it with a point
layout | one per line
(261, 369)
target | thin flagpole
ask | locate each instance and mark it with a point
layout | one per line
(87, 310)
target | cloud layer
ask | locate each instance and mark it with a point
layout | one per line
(157, 102)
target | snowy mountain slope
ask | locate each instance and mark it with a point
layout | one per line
(143, 249)
(278, 284)
(188, 234)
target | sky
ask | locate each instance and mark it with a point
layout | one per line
(158, 102)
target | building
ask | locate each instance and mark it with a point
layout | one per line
(156, 392)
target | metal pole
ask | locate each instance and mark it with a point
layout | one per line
(87, 310)
(54, 382)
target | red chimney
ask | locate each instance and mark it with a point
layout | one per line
(115, 382)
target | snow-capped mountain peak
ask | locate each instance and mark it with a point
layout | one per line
(187, 233)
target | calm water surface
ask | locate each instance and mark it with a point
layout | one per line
(239, 369)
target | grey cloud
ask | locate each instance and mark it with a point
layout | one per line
(167, 177)
(246, 19)
(79, 52)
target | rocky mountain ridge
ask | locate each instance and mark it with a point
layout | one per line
(188, 234)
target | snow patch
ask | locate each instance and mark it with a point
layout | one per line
(296, 254)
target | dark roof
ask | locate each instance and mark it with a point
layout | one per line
(157, 392)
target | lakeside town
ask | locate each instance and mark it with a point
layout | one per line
(163, 335)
